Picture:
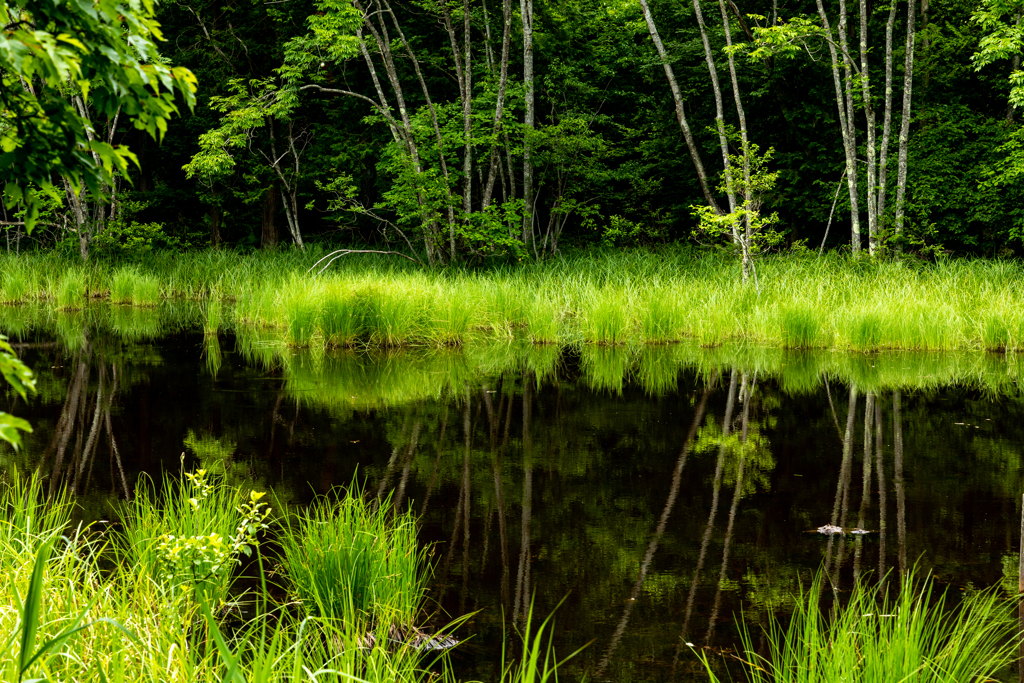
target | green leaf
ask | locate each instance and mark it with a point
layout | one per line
(9, 426)
(31, 609)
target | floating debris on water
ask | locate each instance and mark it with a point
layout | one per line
(832, 529)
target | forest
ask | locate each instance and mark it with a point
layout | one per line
(490, 131)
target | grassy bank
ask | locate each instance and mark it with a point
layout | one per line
(152, 600)
(595, 298)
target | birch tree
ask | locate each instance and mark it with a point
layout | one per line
(526, 11)
(742, 221)
(850, 69)
(677, 98)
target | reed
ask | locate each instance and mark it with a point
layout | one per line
(353, 561)
(883, 635)
(122, 285)
(671, 295)
(608, 321)
(341, 320)
(800, 329)
(16, 286)
(302, 321)
(212, 315)
(68, 290)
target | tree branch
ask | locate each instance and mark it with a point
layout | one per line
(345, 252)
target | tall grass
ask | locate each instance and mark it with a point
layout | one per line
(188, 538)
(666, 296)
(882, 635)
(16, 286)
(353, 558)
(68, 289)
(129, 286)
(71, 611)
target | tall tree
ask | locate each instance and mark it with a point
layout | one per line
(109, 53)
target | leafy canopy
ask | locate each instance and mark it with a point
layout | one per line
(99, 54)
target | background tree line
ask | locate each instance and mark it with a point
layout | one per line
(454, 131)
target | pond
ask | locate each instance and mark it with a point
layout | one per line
(649, 493)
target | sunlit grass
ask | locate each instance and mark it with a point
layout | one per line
(893, 631)
(71, 610)
(665, 296)
(68, 289)
(353, 559)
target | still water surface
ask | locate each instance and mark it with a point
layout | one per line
(654, 493)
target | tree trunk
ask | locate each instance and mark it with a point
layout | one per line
(467, 126)
(748, 236)
(883, 159)
(386, 7)
(526, 9)
(289, 186)
(851, 147)
(869, 115)
(215, 215)
(499, 107)
(677, 97)
(908, 82)
(402, 132)
(268, 232)
(844, 103)
(723, 141)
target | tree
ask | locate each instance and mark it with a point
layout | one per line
(104, 54)
(848, 73)
(1004, 40)
(253, 106)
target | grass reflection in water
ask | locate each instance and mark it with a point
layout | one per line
(506, 392)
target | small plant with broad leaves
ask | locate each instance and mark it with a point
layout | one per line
(21, 380)
(207, 558)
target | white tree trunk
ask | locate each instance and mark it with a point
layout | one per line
(723, 141)
(677, 97)
(526, 8)
(844, 103)
(869, 115)
(908, 82)
(748, 234)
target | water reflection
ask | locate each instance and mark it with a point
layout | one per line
(662, 490)
(83, 424)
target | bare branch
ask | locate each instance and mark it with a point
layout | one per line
(345, 252)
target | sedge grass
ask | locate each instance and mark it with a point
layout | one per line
(188, 538)
(70, 612)
(68, 289)
(668, 296)
(16, 286)
(355, 560)
(883, 634)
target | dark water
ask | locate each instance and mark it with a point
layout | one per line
(546, 478)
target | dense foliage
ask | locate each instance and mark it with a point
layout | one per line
(475, 130)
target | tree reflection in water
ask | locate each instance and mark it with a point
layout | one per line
(85, 418)
(546, 486)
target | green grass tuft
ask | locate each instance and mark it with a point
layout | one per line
(866, 332)
(69, 290)
(351, 560)
(882, 635)
(800, 329)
